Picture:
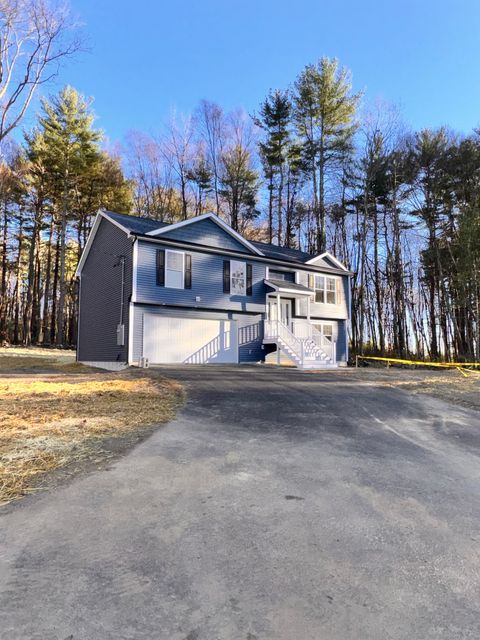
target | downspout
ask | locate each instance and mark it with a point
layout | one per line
(122, 290)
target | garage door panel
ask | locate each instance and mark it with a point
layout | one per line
(189, 340)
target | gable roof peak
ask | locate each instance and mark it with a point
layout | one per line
(214, 218)
(329, 256)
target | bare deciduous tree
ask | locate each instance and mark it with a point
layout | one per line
(35, 36)
(178, 151)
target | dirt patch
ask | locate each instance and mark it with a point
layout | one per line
(450, 385)
(50, 421)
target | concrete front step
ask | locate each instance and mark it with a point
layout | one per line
(319, 365)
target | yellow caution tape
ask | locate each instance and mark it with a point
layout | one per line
(454, 365)
(459, 366)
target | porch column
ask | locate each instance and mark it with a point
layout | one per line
(308, 308)
(278, 323)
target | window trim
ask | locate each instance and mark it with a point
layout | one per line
(325, 289)
(182, 253)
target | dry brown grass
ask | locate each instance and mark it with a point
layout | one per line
(48, 421)
(24, 358)
(448, 385)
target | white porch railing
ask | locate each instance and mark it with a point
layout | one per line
(305, 329)
(275, 329)
(304, 342)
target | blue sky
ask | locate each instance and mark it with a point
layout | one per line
(148, 57)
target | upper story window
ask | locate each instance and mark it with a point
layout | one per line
(174, 269)
(326, 290)
(237, 278)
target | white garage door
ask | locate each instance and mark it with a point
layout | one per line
(189, 340)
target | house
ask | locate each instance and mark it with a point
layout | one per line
(198, 292)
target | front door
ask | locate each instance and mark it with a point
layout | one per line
(285, 311)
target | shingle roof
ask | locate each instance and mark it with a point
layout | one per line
(282, 253)
(136, 224)
(141, 226)
(285, 284)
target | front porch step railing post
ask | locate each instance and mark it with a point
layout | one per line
(303, 350)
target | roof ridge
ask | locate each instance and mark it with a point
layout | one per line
(130, 215)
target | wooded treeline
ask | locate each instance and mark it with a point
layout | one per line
(50, 187)
(310, 168)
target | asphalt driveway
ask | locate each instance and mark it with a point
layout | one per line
(280, 505)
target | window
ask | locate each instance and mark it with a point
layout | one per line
(325, 290)
(331, 290)
(277, 275)
(324, 329)
(238, 278)
(174, 269)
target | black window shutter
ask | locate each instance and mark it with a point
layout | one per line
(249, 280)
(160, 267)
(226, 276)
(188, 271)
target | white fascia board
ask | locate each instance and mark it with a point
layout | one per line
(296, 292)
(281, 289)
(117, 224)
(179, 225)
(208, 216)
(134, 269)
(328, 255)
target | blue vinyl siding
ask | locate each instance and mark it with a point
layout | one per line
(250, 328)
(207, 233)
(342, 340)
(207, 283)
(250, 337)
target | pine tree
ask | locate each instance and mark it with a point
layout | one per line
(275, 120)
(71, 151)
(238, 186)
(324, 111)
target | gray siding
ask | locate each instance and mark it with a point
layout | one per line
(100, 292)
(207, 233)
(207, 283)
(250, 328)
